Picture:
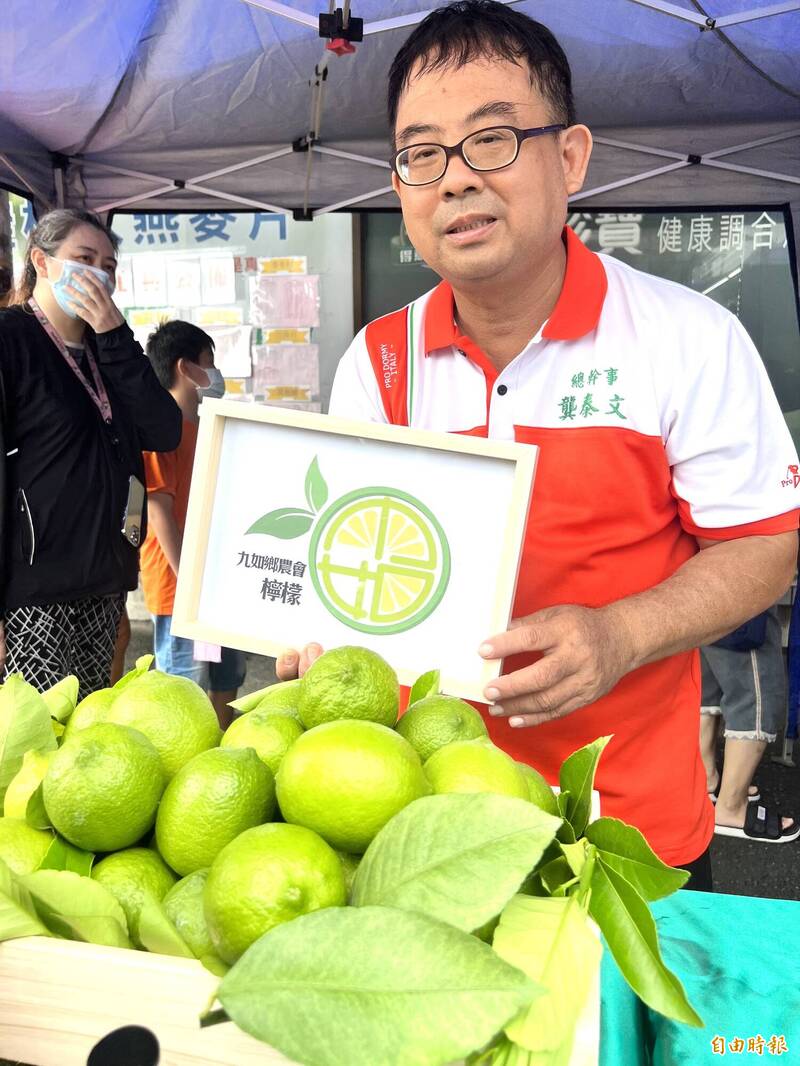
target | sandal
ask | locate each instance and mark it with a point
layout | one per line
(763, 824)
(752, 797)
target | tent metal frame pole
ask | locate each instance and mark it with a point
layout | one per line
(38, 194)
(353, 200)
(400, 22)
(114, 204)
(737, 168)
(286, 12)
(752, 144)
(639, 148)
(340, 154)
(694, 17)
(723, 21)
(234, 199)
(598, 190)
(277, 154)
(157, 178)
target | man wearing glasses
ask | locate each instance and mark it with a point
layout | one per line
(661, 517)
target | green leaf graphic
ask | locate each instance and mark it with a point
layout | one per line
(286, 523)
(316, 489)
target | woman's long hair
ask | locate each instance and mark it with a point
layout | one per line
(48, 234)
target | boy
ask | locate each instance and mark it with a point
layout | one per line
(183, 359)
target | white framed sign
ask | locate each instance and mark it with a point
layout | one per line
(303, 527)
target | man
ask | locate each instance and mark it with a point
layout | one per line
(658, 521)
(182, 355)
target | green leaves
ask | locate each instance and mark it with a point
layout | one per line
(61, 855)
(157, 933)
(35, 814)
(425, 685)
(316, 489)
(286, 523)
(577, 778)
(143, 664)
(335, 986)
(630, 933)
(24, 725)
(62, 697)
(456, 857)
(77, 908)
(17, 912)
(624, 850)
(552, 942)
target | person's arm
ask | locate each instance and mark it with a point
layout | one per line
(161, 512)
(586, 651)
(149, 407)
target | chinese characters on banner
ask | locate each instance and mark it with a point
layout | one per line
(677, 233)
(273, 589)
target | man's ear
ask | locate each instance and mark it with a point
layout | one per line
(576, 149)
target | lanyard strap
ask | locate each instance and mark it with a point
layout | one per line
(98, 395)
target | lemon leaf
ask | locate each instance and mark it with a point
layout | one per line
(143, 664)
(35, 814)
(24, 724)
(576, 777)
(17, 912)
(157, 933)
(316, 489)
(252, 699)
(61, 855)
(286, 523)
(62, 698)
(623, 848)
(425, 685)
(456, 857)
(369, 985)
(77, 908)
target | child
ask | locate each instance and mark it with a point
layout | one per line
(183, 359)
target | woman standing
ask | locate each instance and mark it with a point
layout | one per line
(79, 402)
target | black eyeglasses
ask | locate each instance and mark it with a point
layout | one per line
(490, 149)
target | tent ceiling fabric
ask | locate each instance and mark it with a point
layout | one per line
(95, 97)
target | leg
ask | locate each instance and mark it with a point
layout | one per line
(700, 879)
(123, 640)
(175, 655)
(96, 624)
(710, 717)
(38, 643)
(225, 679)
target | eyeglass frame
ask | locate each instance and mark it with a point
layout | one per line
(458, 149)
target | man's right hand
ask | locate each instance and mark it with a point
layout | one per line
(292, 664)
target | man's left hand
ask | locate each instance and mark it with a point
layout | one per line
(95, 305)
(585, 652)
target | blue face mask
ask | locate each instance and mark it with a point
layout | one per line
(215, 389)
(69, 268)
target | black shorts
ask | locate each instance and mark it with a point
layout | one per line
(47, 643)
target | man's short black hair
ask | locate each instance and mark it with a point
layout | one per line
(173, 341)
(455, 35)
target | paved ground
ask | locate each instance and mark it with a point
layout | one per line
(740, 867)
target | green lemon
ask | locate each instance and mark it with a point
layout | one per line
(173, 712)
(213, 799)
(349, 682)
(132, 875)
(266, 876)
(270, 733)
(346, 779)
(475, 766)
(92, 709)
(432, 722)
(102, 787)
(21, 847)
(539, 792)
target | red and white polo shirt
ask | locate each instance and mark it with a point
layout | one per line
(656, 424)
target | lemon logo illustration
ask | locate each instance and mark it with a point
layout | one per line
(378, 558)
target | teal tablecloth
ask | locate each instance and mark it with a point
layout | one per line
(739, 961)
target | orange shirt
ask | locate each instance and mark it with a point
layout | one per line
(170, 473)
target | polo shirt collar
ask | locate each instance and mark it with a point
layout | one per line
(576, 313)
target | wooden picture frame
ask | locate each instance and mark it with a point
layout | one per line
(364, 560)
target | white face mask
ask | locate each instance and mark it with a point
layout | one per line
(69, 268)
(215, 389)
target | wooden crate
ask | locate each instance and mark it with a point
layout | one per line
(58, 998)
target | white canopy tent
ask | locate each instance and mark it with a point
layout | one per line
(225, 105)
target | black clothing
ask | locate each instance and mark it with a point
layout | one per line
(63, 471)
